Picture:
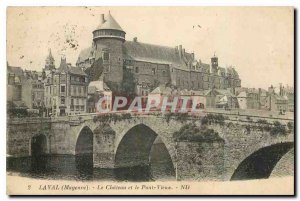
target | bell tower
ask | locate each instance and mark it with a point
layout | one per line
(214, 64)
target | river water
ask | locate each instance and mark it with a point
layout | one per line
(81, 168)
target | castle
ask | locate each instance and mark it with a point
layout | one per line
(152, 64)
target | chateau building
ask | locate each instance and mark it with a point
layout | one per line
(152, 65)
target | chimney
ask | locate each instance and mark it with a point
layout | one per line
(183, 52)
(180, 51)
(135, 39)
(102, 19)
(193, 56)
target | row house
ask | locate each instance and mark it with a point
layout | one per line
(65, 90)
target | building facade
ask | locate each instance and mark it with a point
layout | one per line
(65, 90)
(152, 65)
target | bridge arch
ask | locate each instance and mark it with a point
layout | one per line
(84, 150)
(39, 145)
(135, 148)
(39, 149)
(260, 164)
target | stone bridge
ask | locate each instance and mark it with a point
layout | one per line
(116, 141)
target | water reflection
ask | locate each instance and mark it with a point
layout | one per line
(80, 167)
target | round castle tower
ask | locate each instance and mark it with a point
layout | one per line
(108, 39)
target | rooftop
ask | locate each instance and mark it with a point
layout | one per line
(109, 24)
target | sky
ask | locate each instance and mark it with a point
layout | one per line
(257, 41)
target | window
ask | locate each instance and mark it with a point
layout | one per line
(72, 101)
(164, 73)
(153, 71)
(74, 90)
(105, 56)
(136, 69)
(79, 90)
(62, 100)
(62, 89)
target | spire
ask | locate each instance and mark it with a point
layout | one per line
(50, 54)
(50, 57)
(49, 61)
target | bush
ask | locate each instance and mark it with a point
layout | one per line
(290, 125)
(106, 118)
(248, 118)
(213, 118)
(191, 132)
(262, 121)
(182, 117)
(278, 129)
(264, 125)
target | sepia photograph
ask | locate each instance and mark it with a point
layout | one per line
(150, 100)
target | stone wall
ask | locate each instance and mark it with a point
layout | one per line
(113, 69)
(200, 160)
(104, 147)
(19, 136)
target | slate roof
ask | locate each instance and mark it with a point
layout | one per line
(64, 67)
(85, 54)
(16, 70)
(155, 54)
(225, 92)
(97, 86)
(110, 23)
(76, 70)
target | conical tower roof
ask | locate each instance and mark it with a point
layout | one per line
(110, 23)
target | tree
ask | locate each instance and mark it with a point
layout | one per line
(95, 71)
(128, 85)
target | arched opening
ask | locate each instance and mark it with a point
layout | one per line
(141, 154)
(260, 164)
(161, 165)
(84, 153)
(39, 152)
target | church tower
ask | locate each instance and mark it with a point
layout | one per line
(49, 62)
(108, 41)
(214, 64)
